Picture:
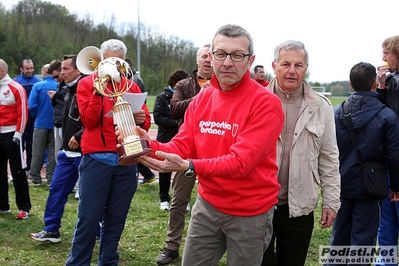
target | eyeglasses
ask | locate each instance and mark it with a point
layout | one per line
(235, 57)
(56, 76)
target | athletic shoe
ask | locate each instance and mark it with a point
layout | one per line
(5, 211)
(22, 215)
(167, 255)
(188, 208)
(164, 206)
(146, 181)
(77, 194)
(43, 236)
(33, 183)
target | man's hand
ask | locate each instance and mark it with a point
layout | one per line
(171, 163)
(73, 143)
(394, 196)
(51, 94)
(16, 140)
(141, 133)
(327, 217)
(17, 137)
(139, 117)
(206, 85)
(382, 74)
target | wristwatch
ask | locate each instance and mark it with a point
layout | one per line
(190, 172)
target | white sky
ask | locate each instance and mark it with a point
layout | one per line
(337, 34)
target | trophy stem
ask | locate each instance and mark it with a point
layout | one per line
(111, 81)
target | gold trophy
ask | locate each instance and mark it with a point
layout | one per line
(110, 80)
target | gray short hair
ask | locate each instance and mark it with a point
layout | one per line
(290, 45)
(200, 49)
(114, 45)
(231, 30)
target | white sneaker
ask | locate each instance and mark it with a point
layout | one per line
(77, 194)
(164, 206)
(188, 208)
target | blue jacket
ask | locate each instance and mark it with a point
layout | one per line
(39, 103)
(27, 83)
(377, 137)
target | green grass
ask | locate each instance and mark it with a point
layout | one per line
(141, 242)
(337, 100)
(150, 103)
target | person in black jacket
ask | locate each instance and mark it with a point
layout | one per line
(388, 79)
(146, 172)
(168, 126)
(66, 172)
(377, 129)
(57, 101)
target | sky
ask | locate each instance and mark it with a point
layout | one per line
(337, 34)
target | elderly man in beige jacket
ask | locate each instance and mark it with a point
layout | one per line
(307, 158)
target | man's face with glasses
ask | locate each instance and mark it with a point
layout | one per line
(231, 59)
(56, 75)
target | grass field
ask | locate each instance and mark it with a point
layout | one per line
(337, 100)
(142, 240)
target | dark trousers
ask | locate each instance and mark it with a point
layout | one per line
(64, 179)
(145, 171)
(105, 194)
(356, 223)
(27, 140)
(164, 186)
(291, 239)
(10, 152)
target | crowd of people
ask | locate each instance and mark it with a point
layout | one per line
(263, 153)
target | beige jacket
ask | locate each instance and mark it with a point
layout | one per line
(314, 156)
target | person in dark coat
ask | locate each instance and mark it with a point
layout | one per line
(147, 173)
(168, 126)
(377, 129)
(388, 79)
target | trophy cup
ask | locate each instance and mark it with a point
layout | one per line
(111, 81)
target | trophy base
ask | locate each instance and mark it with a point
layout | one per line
(125, 159)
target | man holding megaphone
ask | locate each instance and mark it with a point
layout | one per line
(106, 187)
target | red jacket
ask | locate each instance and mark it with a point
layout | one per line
(262, 82)
(231, 138)
(13, 106)
(99, 133)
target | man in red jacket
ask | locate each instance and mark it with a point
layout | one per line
(219, 142)
(105, 187)
(14, 115)
(259, 75)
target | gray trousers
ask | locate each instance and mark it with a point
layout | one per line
(182, 187)
(42, 138)
(245, 237)
(57, 141)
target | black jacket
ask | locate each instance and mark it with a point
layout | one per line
(391, 94)
(71, 123)
(58, 103)
(167, 125)
(377, 137)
